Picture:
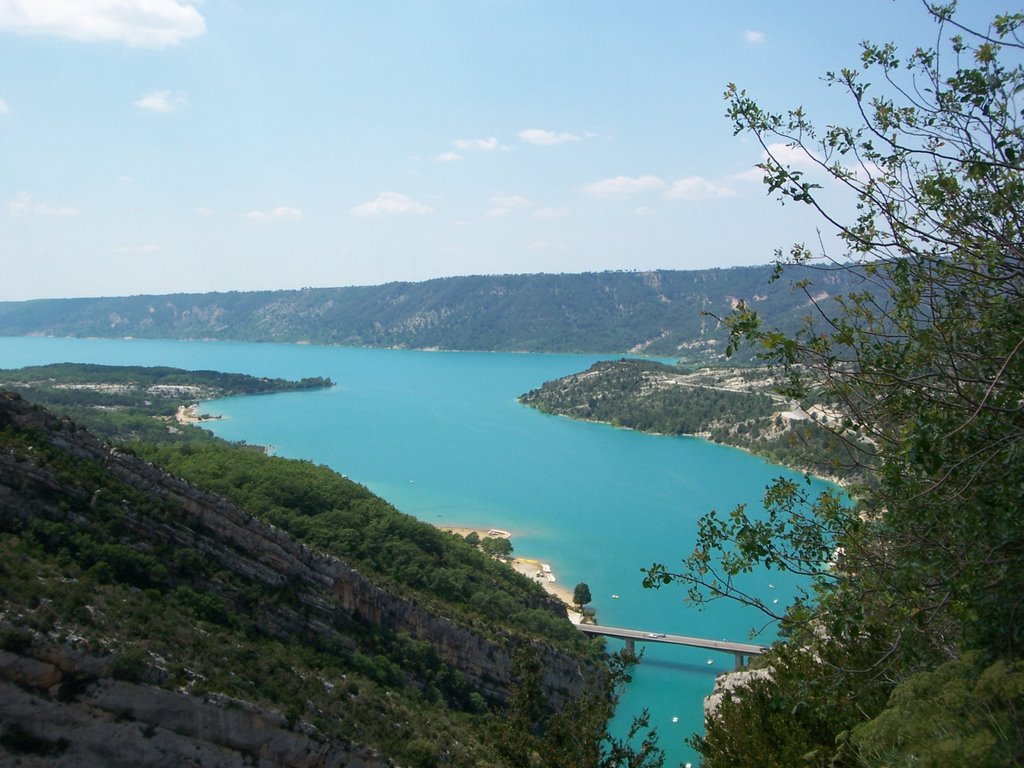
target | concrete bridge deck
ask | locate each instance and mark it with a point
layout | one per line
(740, 650)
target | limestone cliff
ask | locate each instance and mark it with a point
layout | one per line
(54, 695)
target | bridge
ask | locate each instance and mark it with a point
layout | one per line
(741, 651)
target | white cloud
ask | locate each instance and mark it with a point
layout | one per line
(449, 157)
(551, 213)
(539, 245)
(206, 211)
(753, 36)
(696, 188)
(161, 101)
(391, 202)
(546, 138)
(24, 205)
(137, 23)
(753, 174)
(643, 210)
(4, 109)
(478, 145)
(789, 155)
(497, 213)
(281, 213)
(623, 186)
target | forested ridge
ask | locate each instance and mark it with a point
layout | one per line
(468, 663)
(654, 313)
(728, 405)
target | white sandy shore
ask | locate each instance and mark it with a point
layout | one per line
(532, 569)
(189, 414)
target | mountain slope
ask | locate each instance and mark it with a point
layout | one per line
(657, 313)
(149, 617)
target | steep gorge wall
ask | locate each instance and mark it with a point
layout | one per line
(333, 596)
(62, 707)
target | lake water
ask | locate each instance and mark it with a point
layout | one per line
(441, 436)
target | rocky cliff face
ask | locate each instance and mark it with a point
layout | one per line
(61, 707)
(332, 602)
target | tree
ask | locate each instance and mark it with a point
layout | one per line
(529, 733)
(581, 594)
(496, 546)
(925, 364)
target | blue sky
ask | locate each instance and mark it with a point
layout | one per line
(160, 146)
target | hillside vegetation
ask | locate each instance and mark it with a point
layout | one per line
(133, 403)
(655, 313)
(732, 406)
(348, 630)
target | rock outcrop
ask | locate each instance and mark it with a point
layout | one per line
(62, 708)
(100, 720)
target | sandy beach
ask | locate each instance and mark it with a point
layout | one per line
(541, 573)
(189, 414)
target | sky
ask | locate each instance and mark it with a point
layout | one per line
(165, 146)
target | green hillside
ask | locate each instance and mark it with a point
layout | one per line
(266, 585)
(655, 313)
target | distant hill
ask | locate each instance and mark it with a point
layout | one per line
(657, 313)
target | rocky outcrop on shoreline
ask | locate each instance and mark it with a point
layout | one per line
(732, 685)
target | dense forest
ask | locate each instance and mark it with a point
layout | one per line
(732, 406)
(125, 403)
(94, 554)
(654, 313)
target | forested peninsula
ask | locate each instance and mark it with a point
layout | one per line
(660, 313)
(733, 406)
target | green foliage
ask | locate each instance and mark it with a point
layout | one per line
(126, 404)
(336, 515)
(581, 594)
(907, 651)
(83, 381)
(727, 405)
(530, 734)
(963, 712)
(645, 395)
(496, 546)
(84, 554)
(131, 666)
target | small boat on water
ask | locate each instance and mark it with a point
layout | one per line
(615, 597)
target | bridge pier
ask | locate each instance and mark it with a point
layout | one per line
(739, 661)
(631, 646)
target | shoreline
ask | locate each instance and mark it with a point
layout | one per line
(189, 414)
(540, 573)
(705, 436)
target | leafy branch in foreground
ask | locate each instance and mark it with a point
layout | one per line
(797, 534)
(925, 359)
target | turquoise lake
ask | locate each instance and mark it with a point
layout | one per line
(441, 436)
